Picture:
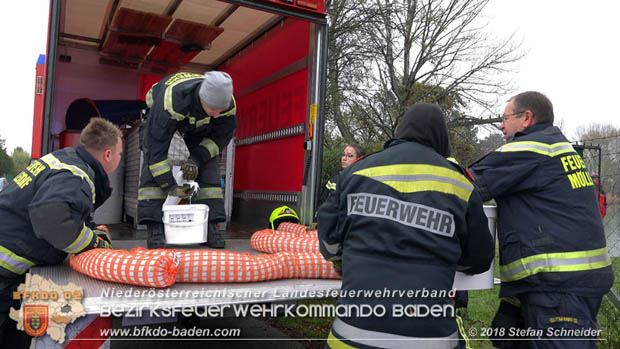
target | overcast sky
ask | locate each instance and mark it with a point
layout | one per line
(572, 50)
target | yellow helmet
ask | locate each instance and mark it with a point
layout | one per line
(282, 214)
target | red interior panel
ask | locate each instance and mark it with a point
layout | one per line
(275, 106)
(282, 46)
(277, 165)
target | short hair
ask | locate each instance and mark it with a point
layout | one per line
(538, 103)
(358, 150)
(99, 135)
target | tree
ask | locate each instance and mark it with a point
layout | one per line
(406, 51)
(6, 163)
(21, 159)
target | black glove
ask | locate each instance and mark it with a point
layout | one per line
(102, 243)
(190, 169)
(104, 240)
(184, 192)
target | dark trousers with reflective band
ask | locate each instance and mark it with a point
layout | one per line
(10, 336)
(151, 198)
(550, 320)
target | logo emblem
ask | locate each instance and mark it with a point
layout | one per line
(36, 319)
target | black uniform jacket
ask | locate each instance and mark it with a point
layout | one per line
(549, 227)
(403, 219)
(46, 209)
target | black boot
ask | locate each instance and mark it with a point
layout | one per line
(156, 237)
(214, 239)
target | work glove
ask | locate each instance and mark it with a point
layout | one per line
(103, 233)
(313, 226)
(184, 192)
(190, 169)
(102, 243)
(338, 268)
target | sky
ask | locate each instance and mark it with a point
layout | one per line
(572, 55)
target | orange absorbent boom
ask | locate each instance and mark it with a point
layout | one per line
(163, 267)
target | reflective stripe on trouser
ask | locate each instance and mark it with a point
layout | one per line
(554, 262)
(10, 261)
(353, 334)
(151, 198)
(211, 193)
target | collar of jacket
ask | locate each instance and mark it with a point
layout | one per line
(103, 190)
(529, 130)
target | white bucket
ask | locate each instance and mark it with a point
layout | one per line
(185, 224)
(485, 280)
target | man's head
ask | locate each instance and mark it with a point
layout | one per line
(425, 123)
(103, 140)
(215, 92)
(525, 110)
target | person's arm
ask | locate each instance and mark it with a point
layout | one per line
(477, 245)
(59, 212)
(222, 132)
(503, 173)
(330, 230)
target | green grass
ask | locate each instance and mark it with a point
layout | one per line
(481, 310)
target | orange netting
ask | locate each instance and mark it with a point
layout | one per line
(293, 254)
(127, 267)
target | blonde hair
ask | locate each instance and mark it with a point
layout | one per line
(99, 135)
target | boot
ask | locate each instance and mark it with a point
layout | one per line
(214, 239)
(156, 237)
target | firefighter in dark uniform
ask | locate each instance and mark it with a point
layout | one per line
(554, 264)
(404, 219)
(202, 109)
(46, 213)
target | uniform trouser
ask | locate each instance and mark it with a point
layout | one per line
(10, 336)
(151, 197)
(554, 320)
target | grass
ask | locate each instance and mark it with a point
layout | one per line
(481, 310)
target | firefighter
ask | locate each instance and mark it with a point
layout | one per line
(554, 265)
(403, 219)
(45, 213)
(202, 109)
(350, 154)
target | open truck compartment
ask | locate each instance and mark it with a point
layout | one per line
(103, 57)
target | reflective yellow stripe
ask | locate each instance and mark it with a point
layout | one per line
(10, 261)
(210, 145)
(149, 97)
(159, 168)
(148, 193)
(56, 164)
(210, 193)
(233, 110)
(86, 236)
(459, 324)
(389, 340)
(336, 343)
(330, 185)
(539, 148)
(410, 178)
(203, 121)
(555, 262)
(168, 106)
